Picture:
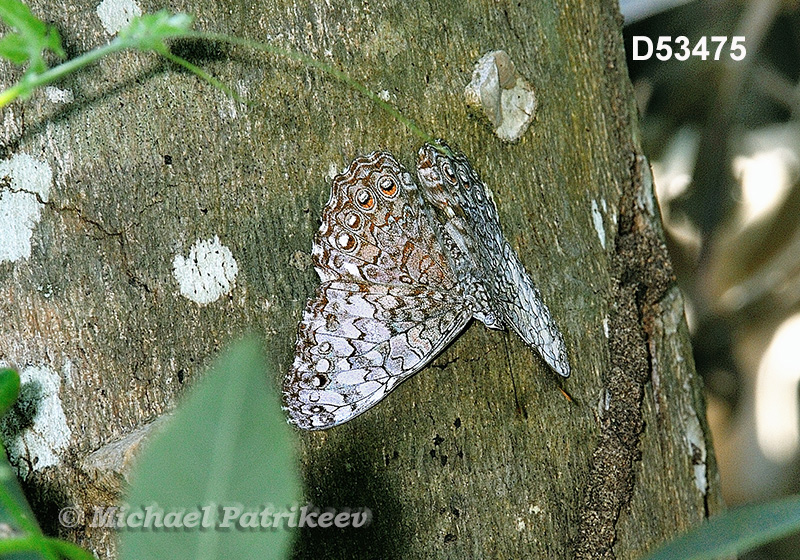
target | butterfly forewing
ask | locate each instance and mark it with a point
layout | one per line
(388, 303)
(373, 231)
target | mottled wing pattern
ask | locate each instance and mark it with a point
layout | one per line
(357, 342)
(388, 301)
(373, 230)
(465, 209)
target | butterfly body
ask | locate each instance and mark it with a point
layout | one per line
(403, 270)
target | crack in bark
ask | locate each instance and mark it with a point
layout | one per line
(510, 26)
(641, 275)
(443, 363)
(119, 236)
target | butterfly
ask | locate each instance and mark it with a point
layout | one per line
(403, 270)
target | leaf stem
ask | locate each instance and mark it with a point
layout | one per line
(144, 42)
(31, 82)
(205, 76)
(325, 68)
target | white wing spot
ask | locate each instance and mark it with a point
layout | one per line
(208, 273)
(322, 366)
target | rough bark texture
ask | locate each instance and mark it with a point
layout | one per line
(479, 455)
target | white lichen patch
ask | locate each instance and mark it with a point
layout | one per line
(597, 219)
(333, 171)
(58, 95)
(208, 273)
(116, 14)
(66, 373)
(603, 403)
(645, 196)
(498, 91)
(696, 443)
(41, 444)
(24, 186)
(665, 333)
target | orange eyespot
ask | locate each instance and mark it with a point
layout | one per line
(388, 186)
(364, 199)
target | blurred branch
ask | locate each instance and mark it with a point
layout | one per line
(712, 180)
(773, 83)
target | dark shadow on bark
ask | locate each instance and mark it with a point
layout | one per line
(348, 477)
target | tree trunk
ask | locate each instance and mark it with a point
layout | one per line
(478, 455)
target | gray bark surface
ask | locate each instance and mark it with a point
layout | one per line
(479, 455)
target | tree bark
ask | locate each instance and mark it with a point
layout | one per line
(478, 455)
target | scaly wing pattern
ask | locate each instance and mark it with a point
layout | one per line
(357, 342)
(388, 302)
(465, 208)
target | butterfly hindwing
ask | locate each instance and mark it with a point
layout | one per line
(357, 342)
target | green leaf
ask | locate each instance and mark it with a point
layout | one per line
(735, 531)
(24, 538)
(227, 444)
(14, 48)
(19, 16)
(53, 42)
(149, 31)
(64, 549)
(15, 512)
(32, 37)
(9, 389)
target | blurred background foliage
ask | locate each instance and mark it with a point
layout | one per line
(723, 138)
